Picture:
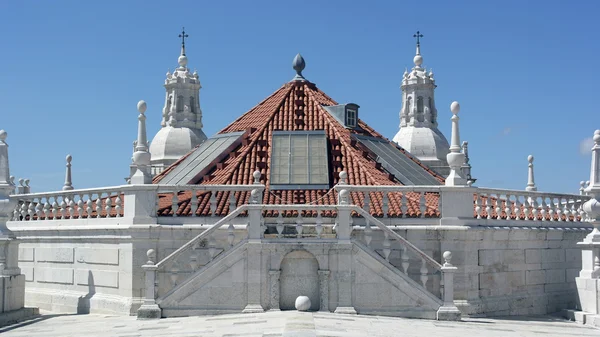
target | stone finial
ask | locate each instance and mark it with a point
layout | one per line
(6, 184)
(151, 255)
(68, 183)
(343, 197)
(343, 178)
(530, 177)
(447, 258)
(255, 196)
(593, 187)
(141, 156)
(455, 158)
(256, 175)
(298, 64)
(582, 187)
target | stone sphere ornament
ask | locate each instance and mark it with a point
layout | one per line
(302, 303)
(141, 106)
(455, 107)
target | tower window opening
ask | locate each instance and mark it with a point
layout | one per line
(179, 103)
(419, 104)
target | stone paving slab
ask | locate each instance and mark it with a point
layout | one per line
(292, 324)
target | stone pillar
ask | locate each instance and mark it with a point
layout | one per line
(456, 205)
(455, 158)
(274, 287)
(324, 290)
(253, 280)
(139, 205)
(12, 282)
(344, 279)
(149, 309)
(448, 311)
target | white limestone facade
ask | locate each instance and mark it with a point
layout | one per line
(181, 124)
(419, 133)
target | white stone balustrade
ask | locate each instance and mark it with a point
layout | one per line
(294, 222)
(511, 205)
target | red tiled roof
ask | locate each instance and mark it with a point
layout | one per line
(296, 106)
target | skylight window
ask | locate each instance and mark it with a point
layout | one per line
(299, 160)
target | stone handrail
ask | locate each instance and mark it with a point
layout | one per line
(503, 204)
(300, 218)
(72, 204)
(220, 198)
(397, 201)
(406, 245)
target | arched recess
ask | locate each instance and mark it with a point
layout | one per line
(299, 277)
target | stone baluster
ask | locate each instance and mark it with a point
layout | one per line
(194, 203)
(574, 212)
(68, 183)
(212, 247)
(386, 246)
(543, 210)
(422, 205)
(368, 232)
(534, 208)
(498, 207)
(232, 201)
(517, 207)
(551, 211)
(88, 206)
(149, 309)
(213, 203)
(280, 227)
(99, 206)
(424, 272)
(385, 204)
(478, 206)
(507, 206)
(367, 202)
(55, 209)
(488, 206)
(405, 259)
(404, 205)
(80, 207)
(559, 209)
(319, 224)
(448, 311)
(118, 205)
(108, 205)
(174, 203)
(63, 208)
(38, 209)
(230, 235)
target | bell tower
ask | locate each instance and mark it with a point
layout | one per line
(419, 133)
(181, 124)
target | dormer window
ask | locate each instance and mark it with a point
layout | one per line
(351, 117)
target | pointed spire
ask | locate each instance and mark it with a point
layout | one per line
(530, 177)
(455, 158)
(418, 59)
(141, 156)
(68, 183)
(298, 64)
(182, 58)
(593, 187)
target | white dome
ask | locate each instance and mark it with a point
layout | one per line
(426, 144)
(171, 143)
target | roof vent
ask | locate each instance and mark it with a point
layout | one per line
(346, 114)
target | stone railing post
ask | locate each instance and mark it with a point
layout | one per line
(448, 311)
(140, 204)
(149, 309)
(456, 205)
(343, 229)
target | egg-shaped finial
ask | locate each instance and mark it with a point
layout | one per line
(141, 106)
(530, 159)
(3, 135)
(455, 107)
(69, 158)
(418, 60)
(298, 64)
(182, 60)
(596, 137)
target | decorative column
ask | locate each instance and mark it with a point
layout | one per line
(68, 183)
(530, 177)
(324, 290)
(274, 286)
(588, 282)
(12, 282)
(455, 158)
(149, 309)
(448, 311)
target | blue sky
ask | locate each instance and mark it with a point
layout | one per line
(524, 72)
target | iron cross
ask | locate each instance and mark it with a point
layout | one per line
(418, 35)
(183, 35)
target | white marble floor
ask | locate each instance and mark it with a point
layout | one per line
(291, 323)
